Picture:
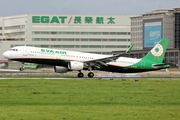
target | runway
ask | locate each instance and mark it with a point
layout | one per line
(100, 78)
(102, 75)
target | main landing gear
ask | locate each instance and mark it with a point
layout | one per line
(22, 67)
(90, 74)
(81, 75)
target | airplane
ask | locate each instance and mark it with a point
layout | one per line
(64, 61)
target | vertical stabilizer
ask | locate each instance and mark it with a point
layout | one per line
(158, 51)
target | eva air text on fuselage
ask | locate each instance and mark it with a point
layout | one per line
(53, 51)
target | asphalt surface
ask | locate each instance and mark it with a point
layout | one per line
(107, 78)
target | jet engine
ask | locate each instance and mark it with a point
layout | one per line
(73, 65)
(60, 69)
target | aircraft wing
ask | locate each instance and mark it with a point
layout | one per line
(103, 61)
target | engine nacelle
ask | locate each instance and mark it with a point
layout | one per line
(73, 65)
(60, 69)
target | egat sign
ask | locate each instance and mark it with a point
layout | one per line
(73, 19)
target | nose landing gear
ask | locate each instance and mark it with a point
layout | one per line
(22, 67)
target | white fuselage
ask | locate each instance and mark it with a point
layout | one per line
(22, 53)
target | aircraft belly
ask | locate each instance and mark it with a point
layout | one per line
(124, 69)
(43, 61)
(119, 69)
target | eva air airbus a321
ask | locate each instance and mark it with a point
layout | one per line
(64, 61)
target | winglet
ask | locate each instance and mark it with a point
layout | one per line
(130, 48)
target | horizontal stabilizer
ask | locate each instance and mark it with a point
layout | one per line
(159, 65)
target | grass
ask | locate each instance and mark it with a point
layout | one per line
(89, 99)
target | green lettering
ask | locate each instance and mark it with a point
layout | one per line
(42, 50)
(44, 19)
(57, 52)
(54, 19)
(88, 20)
(47, 50)
(111, 20)
(62, 52)
(100, 20)
(35, 19)
(51, 51)
(77, 19)
(62, 19)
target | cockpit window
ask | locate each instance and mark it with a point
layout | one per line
(13, 49)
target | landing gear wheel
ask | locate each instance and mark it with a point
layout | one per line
(21, 69)
(90, 74)
(80, 75)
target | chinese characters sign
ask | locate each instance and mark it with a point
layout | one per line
(73, 20)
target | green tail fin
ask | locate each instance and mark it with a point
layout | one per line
(158, 51)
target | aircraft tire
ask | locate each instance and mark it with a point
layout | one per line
(90, 74)
(80, 75)
(21, 69)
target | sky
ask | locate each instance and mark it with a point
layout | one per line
(84, 7)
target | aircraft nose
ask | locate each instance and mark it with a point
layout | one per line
(6, 54)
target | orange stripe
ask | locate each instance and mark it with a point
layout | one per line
(70, 20)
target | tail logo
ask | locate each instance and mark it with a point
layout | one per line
(158, 50)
